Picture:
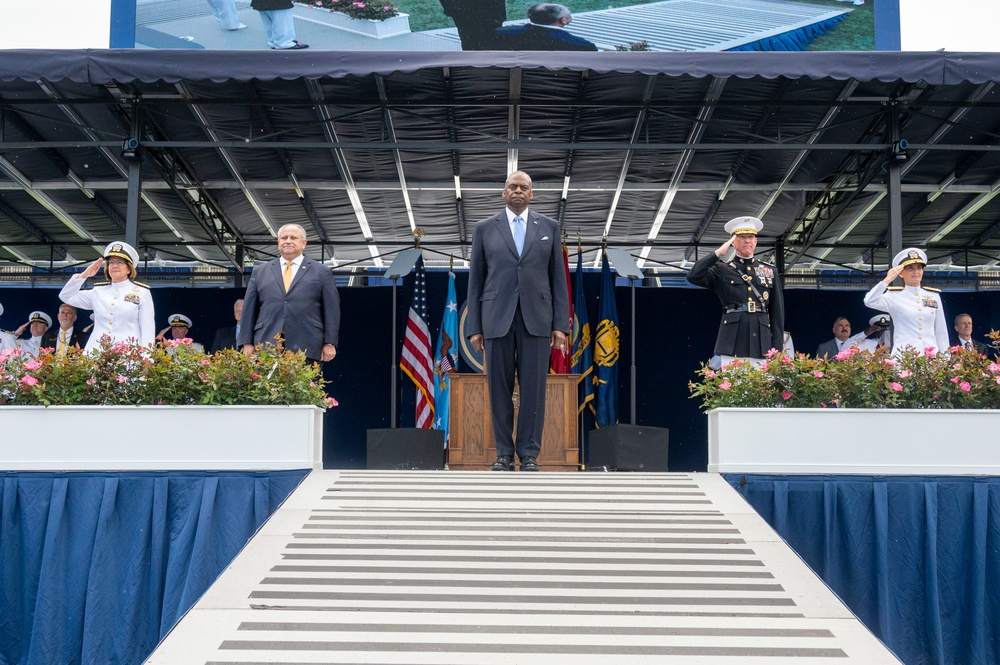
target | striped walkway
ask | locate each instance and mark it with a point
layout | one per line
(411, 567)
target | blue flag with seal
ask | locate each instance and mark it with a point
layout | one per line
(583, 359)
(446, 360)
(606, 351)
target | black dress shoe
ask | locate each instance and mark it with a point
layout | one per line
(530, 464)
(503, 463)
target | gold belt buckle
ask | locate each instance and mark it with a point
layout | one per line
(751, 306)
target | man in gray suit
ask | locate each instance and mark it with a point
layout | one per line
(295, 297)
(518, 309)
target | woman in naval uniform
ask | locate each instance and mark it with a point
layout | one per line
(7, 339)
(918, 319)
(123, 308)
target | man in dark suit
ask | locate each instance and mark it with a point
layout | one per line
(518, 310)
(66, 335)
(841, 339)
(545, 32)
(294, 297)
(476, 21)
(963, 326)
(225, 338)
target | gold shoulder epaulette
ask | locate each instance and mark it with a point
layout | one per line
(931, 288)
(895, 288)
(5, 331)
(101, 283)
(145, 286)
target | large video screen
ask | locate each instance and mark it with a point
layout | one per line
(516, 25)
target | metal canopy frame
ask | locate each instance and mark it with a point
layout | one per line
(845, 163)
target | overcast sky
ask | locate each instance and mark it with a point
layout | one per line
(926, 25)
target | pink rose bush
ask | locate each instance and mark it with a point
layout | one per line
(360, 9)
(173, 372)
(913, 379)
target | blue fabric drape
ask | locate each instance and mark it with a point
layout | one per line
(916, 558)
(794, 40)
(97, 567)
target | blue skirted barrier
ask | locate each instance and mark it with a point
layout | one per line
(98, 567)
(793, 40)
(916, 558)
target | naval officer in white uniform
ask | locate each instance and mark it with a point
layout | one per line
(39, 323)
(123, 308)
(7, 338)
(918, 319)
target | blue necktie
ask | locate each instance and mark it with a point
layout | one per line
(519, 234)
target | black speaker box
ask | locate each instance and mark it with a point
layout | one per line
(628, 448)
(405, 448)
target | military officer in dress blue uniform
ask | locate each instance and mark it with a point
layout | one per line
(918, 319)
(753, 317)
(39, 323)
(7, 338)
(123, 308)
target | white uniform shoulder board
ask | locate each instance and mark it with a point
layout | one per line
(145, 286)
(101, 283)
(931, 288)
(895, 288)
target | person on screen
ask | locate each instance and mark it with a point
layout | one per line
(279, 26)
(476, 21)
(225, 13)
(545, 32)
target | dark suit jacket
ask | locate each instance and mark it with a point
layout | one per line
(980, 348)
(308, 316)
(499, 278)
(51, 337)
(828, 348)
(225, 338)
(531, 37)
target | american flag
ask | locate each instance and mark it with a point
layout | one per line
(418, 354)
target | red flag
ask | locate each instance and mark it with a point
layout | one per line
(559, 361)
(418, 354)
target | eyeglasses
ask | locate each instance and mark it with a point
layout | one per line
(117, 262)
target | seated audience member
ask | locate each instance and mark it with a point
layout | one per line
(841, 338)
(225, 338)
(67, 334)
(7, 339)
(38, 323)
(179, 328)
(545, 32)
(963, 326)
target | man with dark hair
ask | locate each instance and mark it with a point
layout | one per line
(545, 32)
(476, 21)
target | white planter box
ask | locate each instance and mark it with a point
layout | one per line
(865, 441)
(397, 25)
(133, 438)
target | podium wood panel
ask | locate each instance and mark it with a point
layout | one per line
(472, 447)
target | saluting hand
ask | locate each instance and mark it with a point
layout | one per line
(892, 274)
(92, 269)
(724, 247)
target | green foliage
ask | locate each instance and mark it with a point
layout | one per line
(958, 379)
(172, 373)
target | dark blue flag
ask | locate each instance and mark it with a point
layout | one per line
(606, 351)
(583, 359)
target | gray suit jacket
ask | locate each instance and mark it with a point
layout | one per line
(828, 348)
(308, 315)
(499, 279)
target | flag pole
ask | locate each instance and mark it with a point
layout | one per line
(581, 444)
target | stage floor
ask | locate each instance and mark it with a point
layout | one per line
(444, 567)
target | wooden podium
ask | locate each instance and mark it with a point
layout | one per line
(472, 447)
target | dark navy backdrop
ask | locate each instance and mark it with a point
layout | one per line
(675, 331)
